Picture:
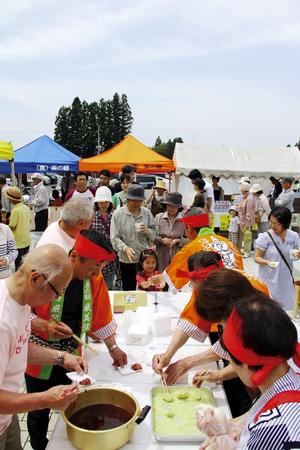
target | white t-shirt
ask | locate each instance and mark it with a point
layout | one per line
(14, 335)
(55, 235)
(209, 193)
(86, 194)
(234, 224)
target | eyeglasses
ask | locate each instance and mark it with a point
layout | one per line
(58, 294)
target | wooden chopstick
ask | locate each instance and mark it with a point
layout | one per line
(76, 338)
(164, 383)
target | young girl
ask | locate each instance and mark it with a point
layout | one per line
(234, 225)
(147, 267)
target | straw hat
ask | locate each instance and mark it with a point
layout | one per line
(13, 193)
(103, 194)
(160, 184)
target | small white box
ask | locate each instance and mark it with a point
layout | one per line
(161, 324)
(138, 333)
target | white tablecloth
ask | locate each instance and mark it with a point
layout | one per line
(140, 384)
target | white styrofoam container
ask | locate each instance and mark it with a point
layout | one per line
(138, 333)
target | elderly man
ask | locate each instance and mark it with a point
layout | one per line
(132, 231)
(44, 273)
(286, 198)
(76, 215)
(81, 188)
(84, 308)
(40, 202)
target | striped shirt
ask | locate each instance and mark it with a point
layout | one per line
(277, 429)
(8, 250)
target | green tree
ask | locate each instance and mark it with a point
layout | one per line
(166, 148)
(88, 128)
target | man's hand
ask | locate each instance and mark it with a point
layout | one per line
(75, 363)
(130, 253)
(59, 330)
(59, 397)
(175, 370)
(119, 357)
(159, 362)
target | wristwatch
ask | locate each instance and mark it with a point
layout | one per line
(60, 359)
(112, 348)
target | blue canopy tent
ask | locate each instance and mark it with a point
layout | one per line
(42, 155)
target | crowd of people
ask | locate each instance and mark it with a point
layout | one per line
(113, 237)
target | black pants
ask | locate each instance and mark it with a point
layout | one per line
(21, 252)
(128, 275)
(41, 220)
(38, 421)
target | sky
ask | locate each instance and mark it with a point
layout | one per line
(215, 72)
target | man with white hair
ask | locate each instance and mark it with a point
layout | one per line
(76, 215)
(40, 202)
(44, 274)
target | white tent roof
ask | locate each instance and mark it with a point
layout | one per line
(236, 162)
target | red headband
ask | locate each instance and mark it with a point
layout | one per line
(232, 338)
(201, 220)
(88, 249)
(201, 274)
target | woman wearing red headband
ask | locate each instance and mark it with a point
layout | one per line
(260, 339)
(232, 285)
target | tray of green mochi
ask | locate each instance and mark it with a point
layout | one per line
(174, 413)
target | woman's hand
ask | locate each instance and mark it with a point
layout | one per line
(159, 362)
(206, 375)
(166, 241)
(3, 262)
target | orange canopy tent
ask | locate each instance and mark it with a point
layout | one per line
(129, 151)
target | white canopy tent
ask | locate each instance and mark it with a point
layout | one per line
(231, 163)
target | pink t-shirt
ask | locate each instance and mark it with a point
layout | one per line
(14, 335)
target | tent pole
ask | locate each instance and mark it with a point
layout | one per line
(12, 172)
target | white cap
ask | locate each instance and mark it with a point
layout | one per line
(234, 208)
(37, 175)
(244, 180)
(244, 187)
(256, 188)
(103, 194)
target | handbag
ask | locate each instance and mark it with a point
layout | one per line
(282, 256)
(257, 216)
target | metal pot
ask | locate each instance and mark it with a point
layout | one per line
(113, 438)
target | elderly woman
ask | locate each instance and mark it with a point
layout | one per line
(155, 201)
(275, 251)
(261, 208)
(170, 231)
